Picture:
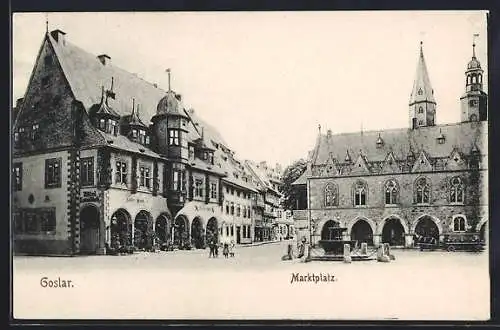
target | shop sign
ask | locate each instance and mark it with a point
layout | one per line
(135, 199)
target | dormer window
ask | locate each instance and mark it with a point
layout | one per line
(142, 136)
(191, 152)
(379, 142)
(134, 133)
(102, 124)
(147, 140)
(173, 137)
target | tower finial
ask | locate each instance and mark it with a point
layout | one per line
(133, 106)
(474, 44)
(46, 22)
(168, 72)
(102, 94)
(319, 128)
(421, 48)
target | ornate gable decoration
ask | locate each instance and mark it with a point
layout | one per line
(331, 167)
(456, 161)
(422, 164)
(360, 167)
(390, 164)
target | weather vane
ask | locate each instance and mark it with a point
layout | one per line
(168, 72)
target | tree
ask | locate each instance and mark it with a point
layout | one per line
(290, 175)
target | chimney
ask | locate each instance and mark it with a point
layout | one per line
(104, 59)
(58, 36)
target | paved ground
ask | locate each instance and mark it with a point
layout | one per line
(254, 284)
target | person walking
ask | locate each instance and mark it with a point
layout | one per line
(225, 250)
(231, 249)
(212, 249)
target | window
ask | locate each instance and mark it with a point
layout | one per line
(360, 193)
(232, 191)
(134, 133)
(121, 172)
(227, 208)
(198, 188)
(17, 176)
(244, 211)
(102, 125)
(473, 117)
(145, 177)
(420, 110)
(191, 152)
(330, 195)
(232, 230)
(147, 140)
(34, 131)
(87, 171)
(211, 158)
(238, 211)
(456, 190)
(173, 137)
(391, 192)
(238, 193)
(227, 190)
(422, 191)
(213, 190)
(420, 122)
(227, 231)
(232, 208)
(245, 231)
(53, 173)
(35, 220)
(175, 180)
(205, 155)
(142, 136)
(459, 224)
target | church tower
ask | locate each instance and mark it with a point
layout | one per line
(422, 103)
(474, 101)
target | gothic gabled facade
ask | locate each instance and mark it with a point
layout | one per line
(103, 158)
(394, 185)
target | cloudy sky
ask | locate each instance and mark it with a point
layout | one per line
(266, 80)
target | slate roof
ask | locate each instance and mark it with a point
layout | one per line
(401, 142)
(422, 89)
(261, 175)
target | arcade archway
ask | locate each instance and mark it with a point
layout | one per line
(393, 232)
(197, 233)
(362, 232)
(180, 231)
(162, 229)
(121, 229)
(426, 229)
(212, 233)
(89, 230)
(143, 227)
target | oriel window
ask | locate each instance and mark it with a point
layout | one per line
(173, 137)
(213, 190)
(199, 188)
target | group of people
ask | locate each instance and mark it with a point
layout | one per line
(227, 249)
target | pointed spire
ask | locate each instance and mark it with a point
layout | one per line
(347, 156)
(422, 89)
(46, 23)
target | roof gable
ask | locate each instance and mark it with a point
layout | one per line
(390, 164)
(360, 166)
(422, 163)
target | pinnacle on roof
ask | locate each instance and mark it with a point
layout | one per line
(422, 90)
(104, 108)
(134, 117)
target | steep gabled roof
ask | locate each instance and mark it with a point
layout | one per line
(86, 74)
(422, 89)
(402, 141)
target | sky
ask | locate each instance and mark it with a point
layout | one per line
(266, 80)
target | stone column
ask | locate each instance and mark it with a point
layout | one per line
(347, 253)
(364, 248)
(408, 241)
(377, 239)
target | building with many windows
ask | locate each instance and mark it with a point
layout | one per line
(103, 158)
(398, 185)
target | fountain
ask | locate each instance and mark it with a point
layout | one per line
(335, 245)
